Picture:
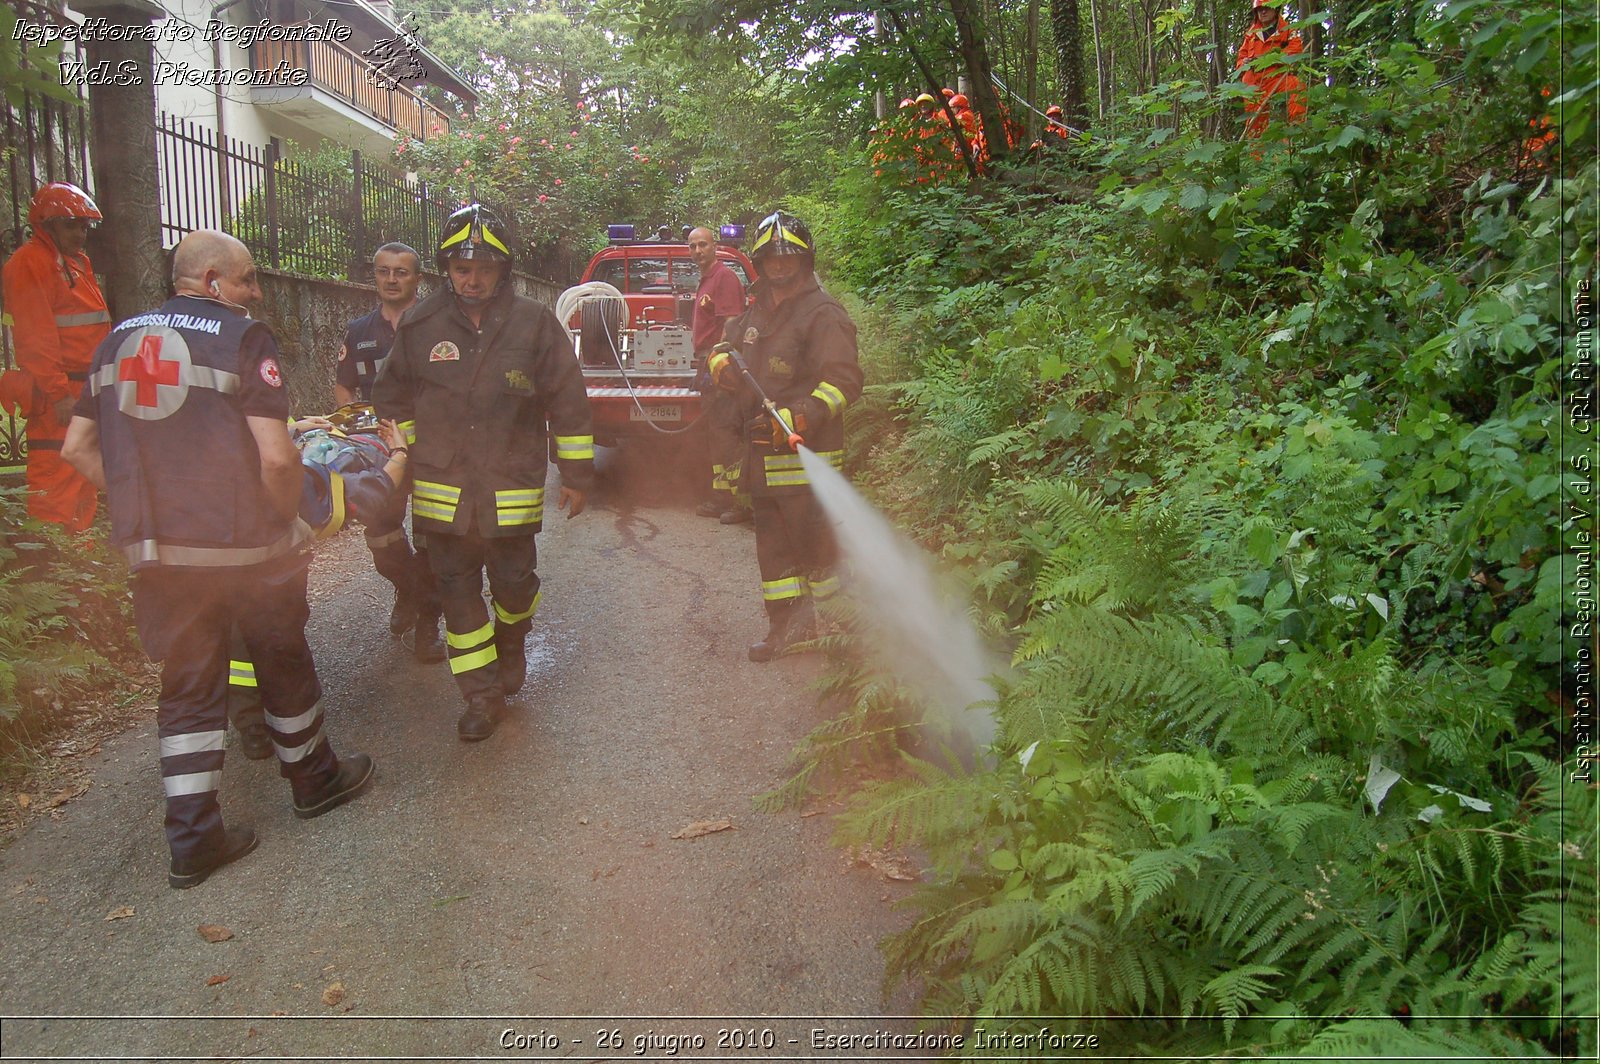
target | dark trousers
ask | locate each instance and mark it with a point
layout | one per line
(795, 550)
(407, 569)
(724, 439)
(474, 641)
(186, 618)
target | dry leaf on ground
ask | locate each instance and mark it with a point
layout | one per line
(67, 795)
(218, 980)
(703, 827)
(334, 994)
(214, 933)
(24, 800)
(891, 865)
(120, 914)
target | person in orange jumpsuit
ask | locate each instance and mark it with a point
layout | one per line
(929, 126)
(1535, 154)
(1268, 33)
(57, 318)
(1056, 124)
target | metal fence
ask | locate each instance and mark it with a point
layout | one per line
(312, 218)
(41, 140)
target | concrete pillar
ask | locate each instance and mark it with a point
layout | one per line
(122, 145)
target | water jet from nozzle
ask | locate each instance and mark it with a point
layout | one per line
(922, 636)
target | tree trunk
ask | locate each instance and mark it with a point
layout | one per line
(122, 121)
(975, 56)
(1216, 70)
(1067, 22)
(1101, 62)
(1030, 52)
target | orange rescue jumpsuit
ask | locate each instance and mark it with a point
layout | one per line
(57, 318)
(1273, 79)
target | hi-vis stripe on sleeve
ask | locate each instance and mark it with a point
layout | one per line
(93, 317)
(572, 448)
(830, 396)
(435, 501)
(408, 429)
(518, 506)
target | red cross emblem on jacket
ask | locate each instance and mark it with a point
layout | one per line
(154, 373)
(148, 370)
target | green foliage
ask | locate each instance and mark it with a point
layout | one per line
(65, 618)
(1252, 457)
(29, 68)
(592, 116)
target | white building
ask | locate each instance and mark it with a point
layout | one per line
(337, 102)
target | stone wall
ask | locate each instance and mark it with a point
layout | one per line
(309, 315)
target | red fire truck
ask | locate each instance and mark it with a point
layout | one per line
(633, 338)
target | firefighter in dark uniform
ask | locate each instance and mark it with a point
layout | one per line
(800, 346)
(474, 373)
(183, 423)
(397, 271)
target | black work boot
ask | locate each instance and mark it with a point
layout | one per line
(254, 742)
(482, 715)
(404, 613)
(351, 781)
(777, 624)
(236, 842)
(426, 646)
(794, 622)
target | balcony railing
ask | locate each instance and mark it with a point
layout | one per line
(340, 71)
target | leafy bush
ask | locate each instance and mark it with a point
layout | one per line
(1255, 465)
(66, 619)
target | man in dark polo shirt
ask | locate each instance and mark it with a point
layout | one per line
(397, 271)
(718, 299)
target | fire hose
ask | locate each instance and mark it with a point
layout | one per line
(796, 441)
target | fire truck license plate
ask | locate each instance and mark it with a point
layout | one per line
(660, 412)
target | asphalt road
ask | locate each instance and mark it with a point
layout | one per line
(521, 898)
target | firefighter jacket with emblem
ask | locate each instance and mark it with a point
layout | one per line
(803, 354)
(57, 317)
(170, 391)
(472, 403)
(366, 346)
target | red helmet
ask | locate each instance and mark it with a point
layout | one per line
(61, 200)
(948, 93)
(959, 100)
(907, 102)
(1053, 111)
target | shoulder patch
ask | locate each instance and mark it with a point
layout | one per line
(445, 351)
(752, 334)
(270, 374)
(344, 352)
